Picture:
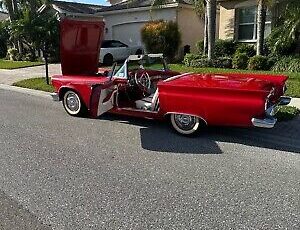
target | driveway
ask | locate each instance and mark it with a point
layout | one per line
(8, 77)
(61, 172)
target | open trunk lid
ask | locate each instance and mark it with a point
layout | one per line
(80, 40)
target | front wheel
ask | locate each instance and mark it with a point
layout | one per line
(185, 124)
(72, 104)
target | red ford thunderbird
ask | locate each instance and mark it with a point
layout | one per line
(144, 87)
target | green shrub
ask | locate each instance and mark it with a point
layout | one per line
(287, 64)
(246, 48)
(4, 36)
(200, 46)
(30, 57)
(201, 63)
(13, 54)
(188, 58)
(225, 48)
(222, 62)
(196, 60)
(271, 61)
(258, 63)
(240, 61)
(287, 113)
(161, 37)
(277, 46)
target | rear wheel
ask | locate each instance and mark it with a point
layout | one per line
(185, 124)
(108, 59)
(73, 104)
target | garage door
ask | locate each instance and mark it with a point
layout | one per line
(129, 33)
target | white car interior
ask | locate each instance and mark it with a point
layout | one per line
(141, 73)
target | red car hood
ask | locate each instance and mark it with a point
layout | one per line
(80, 41)
(223, 81)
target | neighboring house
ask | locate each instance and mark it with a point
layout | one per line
(124, 20)
(238, 19)
(70, 8)
(3, 16)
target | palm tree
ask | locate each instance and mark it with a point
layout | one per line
(287, 31)
(262, 6)
(211, 27)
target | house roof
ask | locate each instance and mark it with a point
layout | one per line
(137, 4)
(78, 8)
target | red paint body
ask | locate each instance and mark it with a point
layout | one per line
(219, 99)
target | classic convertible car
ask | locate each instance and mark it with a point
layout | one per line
(144, 87)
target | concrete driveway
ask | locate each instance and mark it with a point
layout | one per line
(8, 77)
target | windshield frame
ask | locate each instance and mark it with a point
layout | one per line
(124, 68)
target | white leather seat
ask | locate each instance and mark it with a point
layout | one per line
(148, 103)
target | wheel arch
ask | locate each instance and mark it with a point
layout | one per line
(64, 89)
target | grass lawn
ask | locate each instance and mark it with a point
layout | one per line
(35, 83)
(293, 82)
(6, 64)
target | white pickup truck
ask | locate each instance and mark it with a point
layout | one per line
(113, 50)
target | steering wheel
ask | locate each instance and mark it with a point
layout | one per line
(144, 81)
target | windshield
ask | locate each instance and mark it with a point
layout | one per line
(153, 63)
(146, 63)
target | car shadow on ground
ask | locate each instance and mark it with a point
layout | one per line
(159, 136)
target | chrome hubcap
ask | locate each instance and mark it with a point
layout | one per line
(72, 102)
(185, 122)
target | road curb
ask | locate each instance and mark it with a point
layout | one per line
(295, 102)
(32, 92)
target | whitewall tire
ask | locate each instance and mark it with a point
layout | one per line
(185, 124)
(72, 103)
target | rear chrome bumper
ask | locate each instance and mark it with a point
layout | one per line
(54, 96)
(264, 123)
(269, 121)
(284, 100)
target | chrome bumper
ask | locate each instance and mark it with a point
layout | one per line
(270, 121)
(284, 100)
(264, 123)
(54, 96)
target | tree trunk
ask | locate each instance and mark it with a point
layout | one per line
(211, 27)
(261, 21)
(205, 32)
(10, 9)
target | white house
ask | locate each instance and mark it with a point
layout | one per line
(124, 20)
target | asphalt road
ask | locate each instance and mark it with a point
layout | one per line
(60, 172)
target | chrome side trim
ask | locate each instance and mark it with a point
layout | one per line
(54, 96)
(284, 100)
(264, 123)
(188, 115)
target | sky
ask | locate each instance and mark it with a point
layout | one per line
(97, 2)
